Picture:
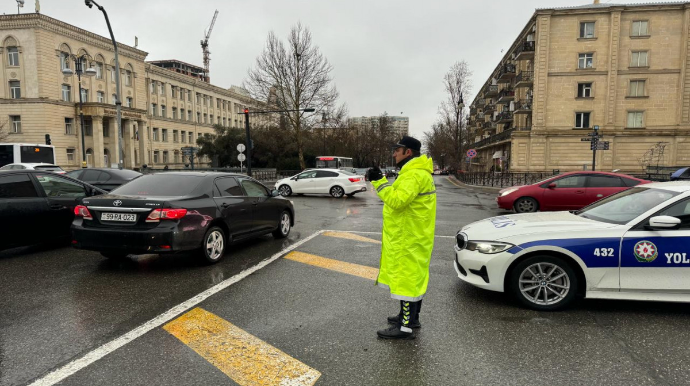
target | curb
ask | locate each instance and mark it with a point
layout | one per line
(487, 189)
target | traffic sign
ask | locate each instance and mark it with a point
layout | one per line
(241, 148)
(600, 146)
(587, 139)
(594, 135)
(188, 150)
(241, 157)
(471, 153)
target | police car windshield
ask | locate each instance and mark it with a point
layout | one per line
(625, 206)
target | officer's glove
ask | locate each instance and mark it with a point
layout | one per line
(374, 174)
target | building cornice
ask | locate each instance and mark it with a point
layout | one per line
(35, 20)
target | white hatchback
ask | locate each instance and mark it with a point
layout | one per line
(335, 182)
(34, 166)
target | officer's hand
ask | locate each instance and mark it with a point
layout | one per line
(374, 174)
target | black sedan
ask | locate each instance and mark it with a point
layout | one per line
(104, 178)
(38, 206)
(180, 211)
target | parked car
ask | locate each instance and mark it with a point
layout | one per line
(567, 191)
(180, 211)
(38, 206)
(681, 174)
(335, 182)
(105, 178)
(34, 166)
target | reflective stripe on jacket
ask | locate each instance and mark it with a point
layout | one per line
(409, 219)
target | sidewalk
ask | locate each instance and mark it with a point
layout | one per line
(487, 189)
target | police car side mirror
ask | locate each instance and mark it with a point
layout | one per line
(663, 222)
(552, 186)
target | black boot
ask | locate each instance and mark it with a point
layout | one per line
(401, 330)
(414, 320)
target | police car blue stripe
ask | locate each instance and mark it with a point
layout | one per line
(595, 253)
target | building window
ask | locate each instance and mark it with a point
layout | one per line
(198, 117)
(183, 135)
(198, 98)
(637, 88)
(84, 95)
(152, 87)
(99, 70)
(155, 156)
(64, 60)
(189, 96)
(16, 124)
(639, 59)
(587, 30)
(635, 119)
(189, 115)
(161, 88)
(66, 93)
(165, 135)
(191, 137)
(165, 157)
(177, 157)
(210, 119)
(205, 118)
(175, 136)
(13, 56)
(88, 127)
(174, 113)
(582, 120)
(155, 134)
(112, 74)
(70, 156)
(154, 109)
(217, 103)
(225, 122)
(128, 78)
(640, 28)
(219, 120)
(585, 60)
(69, 126)
(101, 96)
(114, 99)
(15, 90)
(164, 111)
(130, 102)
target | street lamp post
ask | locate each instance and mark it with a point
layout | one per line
(458, 136)
(249, 136)
(78, 63)
(118, 101)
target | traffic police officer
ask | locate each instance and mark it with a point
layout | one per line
(409, 218)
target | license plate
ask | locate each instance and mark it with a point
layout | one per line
(125, 217)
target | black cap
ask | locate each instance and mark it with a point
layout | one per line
(409, 143)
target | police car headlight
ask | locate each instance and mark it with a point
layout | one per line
(488, 247)
(507, 192)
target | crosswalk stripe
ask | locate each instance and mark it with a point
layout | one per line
(334, 265)
(241, 356)
(350, 236)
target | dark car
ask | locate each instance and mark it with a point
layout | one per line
(105, 178)
(180, 211)
(38, 206)
(568, 191)
(682, 174)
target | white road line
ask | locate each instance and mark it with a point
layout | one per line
(78, 364)
(378, 233)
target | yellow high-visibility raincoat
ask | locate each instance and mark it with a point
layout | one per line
(409, 219)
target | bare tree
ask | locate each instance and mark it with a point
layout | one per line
(457, 84)
(293, 76)
(4, 133)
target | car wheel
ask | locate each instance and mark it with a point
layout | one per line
(114, 255)
(526, 205)
(213, 246)
(337, 191)
(283, 229)
(544, 283)
(284, 190)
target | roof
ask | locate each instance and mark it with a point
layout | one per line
(676, 186)
(609, 5)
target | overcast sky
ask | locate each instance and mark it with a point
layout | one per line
(387, 55)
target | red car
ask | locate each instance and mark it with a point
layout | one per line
(567, 191)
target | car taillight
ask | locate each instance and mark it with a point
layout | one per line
(166, 214)
(355, 179)
(82, 211)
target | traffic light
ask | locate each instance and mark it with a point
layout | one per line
(48, 139)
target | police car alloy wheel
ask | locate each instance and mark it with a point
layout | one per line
(544, 283)
(526, 205)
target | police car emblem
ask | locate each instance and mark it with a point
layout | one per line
(117, 203)
(645, 251)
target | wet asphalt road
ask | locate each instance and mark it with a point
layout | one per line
(57, 304)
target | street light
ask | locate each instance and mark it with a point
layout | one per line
(458, 137)
(78, 63)
(118, 101)
(20, 3)
(249, 137)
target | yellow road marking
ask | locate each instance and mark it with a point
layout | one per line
(241, 356)
(334, 265)
(453, 182)
(351, 236)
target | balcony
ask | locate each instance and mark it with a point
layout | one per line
(506, 95)
(525, 51)
(524, 79)
(507, 73)
(489, 126)
(489, 107)
(491, 91)
(523, 107)
(480, 116)
(504, 117)
(500, 137)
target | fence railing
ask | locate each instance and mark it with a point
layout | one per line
(501, 180)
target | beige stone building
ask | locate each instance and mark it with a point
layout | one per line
(622, 67)
(166, 105)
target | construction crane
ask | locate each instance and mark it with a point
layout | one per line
(204, 48)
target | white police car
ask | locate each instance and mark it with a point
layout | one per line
(633, 245)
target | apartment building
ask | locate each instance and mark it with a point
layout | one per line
(399, 124)
(165, 104)
(621, 67)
